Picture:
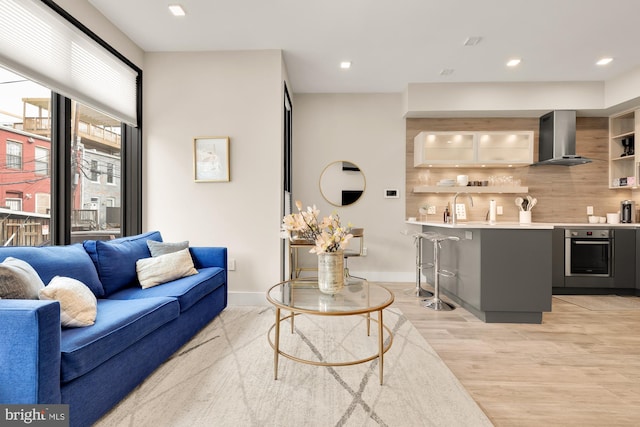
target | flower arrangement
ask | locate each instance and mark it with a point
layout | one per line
(329, 235)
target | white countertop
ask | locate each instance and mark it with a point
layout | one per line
(516, 225)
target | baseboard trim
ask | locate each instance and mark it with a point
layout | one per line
(247, 298)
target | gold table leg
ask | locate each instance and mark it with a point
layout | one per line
(380, 345)
(276, 345)
(368, 324)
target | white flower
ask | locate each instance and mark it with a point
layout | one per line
(327, 234)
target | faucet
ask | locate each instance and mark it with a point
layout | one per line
(453, 214)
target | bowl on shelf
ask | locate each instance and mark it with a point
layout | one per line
(462, 180)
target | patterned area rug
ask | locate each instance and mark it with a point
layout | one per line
(603, 302)
(225, 377)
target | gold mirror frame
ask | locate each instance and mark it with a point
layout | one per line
(342, 183)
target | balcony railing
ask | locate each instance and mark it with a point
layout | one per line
(88, 131)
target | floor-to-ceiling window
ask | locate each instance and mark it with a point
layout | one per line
(70, 147)
(25, 168)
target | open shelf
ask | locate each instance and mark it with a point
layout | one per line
(622, 130)
(470, 189)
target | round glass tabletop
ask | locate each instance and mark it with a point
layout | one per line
(303, 296)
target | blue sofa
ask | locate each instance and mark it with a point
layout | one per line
(92, 368)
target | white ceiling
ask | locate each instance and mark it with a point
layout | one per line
(395, 42)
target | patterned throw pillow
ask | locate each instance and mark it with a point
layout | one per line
(78, 305)
(18, 280)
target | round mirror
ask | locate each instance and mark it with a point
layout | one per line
(342, 183)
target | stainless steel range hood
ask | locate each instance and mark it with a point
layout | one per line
(557, 140)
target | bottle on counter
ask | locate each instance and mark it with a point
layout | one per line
(445, 215)
(492, 211)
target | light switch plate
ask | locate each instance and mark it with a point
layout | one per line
(589, 210)
(461, 211)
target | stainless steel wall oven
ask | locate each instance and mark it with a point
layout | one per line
(589, 252)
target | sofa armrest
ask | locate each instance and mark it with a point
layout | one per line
(209, 256)
(29, 351)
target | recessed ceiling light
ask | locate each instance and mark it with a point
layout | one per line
(604, 61)
(472, 41)
(345, 65)
(176, 10)
(513, 62)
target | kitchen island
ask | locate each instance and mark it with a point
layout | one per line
(502, 272)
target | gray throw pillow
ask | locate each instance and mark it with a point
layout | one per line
(163, 248)
(18, 280)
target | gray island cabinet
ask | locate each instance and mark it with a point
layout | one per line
(502, 273)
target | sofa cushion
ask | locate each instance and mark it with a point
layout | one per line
(50, 261)
(164, 268)
(78, 304)
(163, 248)
(118, 325)
(188, 290)
(18, 280)
(115, 260)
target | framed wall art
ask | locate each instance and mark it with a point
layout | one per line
(211, 159)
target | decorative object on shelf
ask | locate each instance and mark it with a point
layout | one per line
(330, 239)
(525, 204)
(629, 146)
(211, 159)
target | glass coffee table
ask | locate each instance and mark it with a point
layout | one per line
(301, 296)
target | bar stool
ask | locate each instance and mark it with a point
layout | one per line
(357, 233)
(418, 291)
(436, 303)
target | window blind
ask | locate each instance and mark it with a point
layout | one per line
(39, 44)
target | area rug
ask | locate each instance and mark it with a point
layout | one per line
(225, 377)
(603, 302)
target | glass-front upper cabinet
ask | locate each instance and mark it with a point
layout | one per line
(446, 148)
(505, 147)
(473, 149)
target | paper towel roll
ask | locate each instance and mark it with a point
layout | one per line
(492, 212)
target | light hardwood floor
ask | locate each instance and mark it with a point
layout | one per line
(580, 367)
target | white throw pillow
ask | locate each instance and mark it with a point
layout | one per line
(78, 305)
(19, 280)
(164, 268)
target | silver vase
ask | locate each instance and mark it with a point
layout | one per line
(330, 272)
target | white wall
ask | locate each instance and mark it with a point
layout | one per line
(445, 99)
(235, 94)
(623, 89)
(96, 22)
(368, 130)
